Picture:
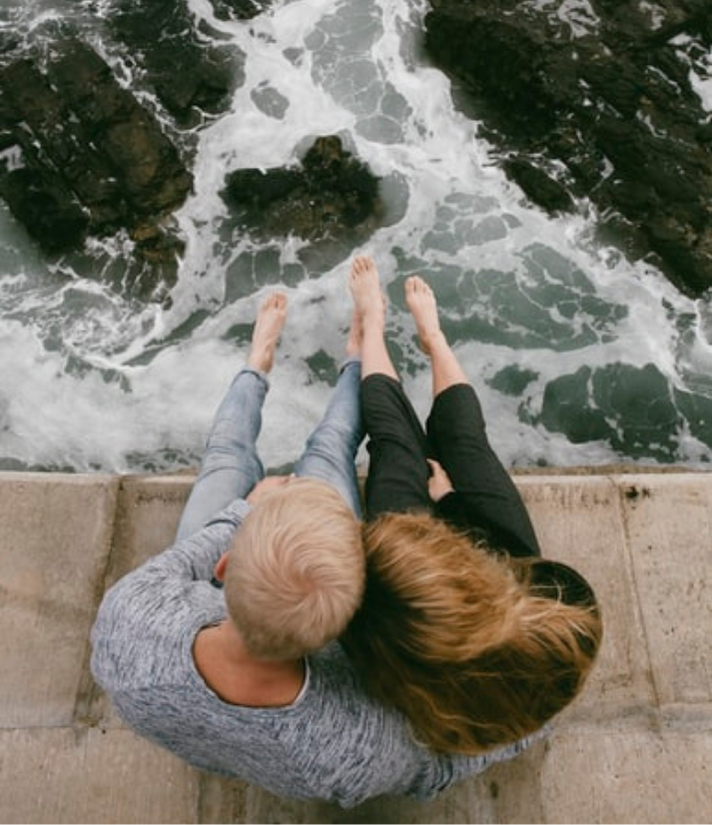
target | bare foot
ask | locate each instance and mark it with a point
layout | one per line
(270, 320)
(420, 300)
(365, 287)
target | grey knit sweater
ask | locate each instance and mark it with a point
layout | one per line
(333, 742)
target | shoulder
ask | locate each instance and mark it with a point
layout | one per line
(350, 742)
(142, 630)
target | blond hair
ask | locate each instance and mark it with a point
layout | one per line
(457, 639)
(296, 570)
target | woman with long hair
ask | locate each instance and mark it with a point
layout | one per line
(464, 627)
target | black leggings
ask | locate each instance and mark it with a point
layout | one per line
(397, 480)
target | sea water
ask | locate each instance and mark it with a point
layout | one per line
(92, 379)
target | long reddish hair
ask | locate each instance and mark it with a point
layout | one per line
(458, 639)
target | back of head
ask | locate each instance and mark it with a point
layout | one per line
(296, 570)
(460, 641)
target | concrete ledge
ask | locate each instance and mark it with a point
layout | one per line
(55, 539)
(87, 775)
(633, 748)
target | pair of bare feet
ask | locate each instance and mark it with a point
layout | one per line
(368, 316)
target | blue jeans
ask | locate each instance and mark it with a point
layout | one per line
(231, 466)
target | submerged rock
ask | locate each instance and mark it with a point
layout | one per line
(609, 99)
(631, 408)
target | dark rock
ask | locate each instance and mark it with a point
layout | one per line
(188, 76)
(512, 380)
(331, 195)
(618, 96)
(42, 117)
(256, 190)
(155, 245)
(39, 199)
(109, 151)
(82, 156)
(146, 163)
(239, 9)
(35, 193)
(502, 64)
(538, 186)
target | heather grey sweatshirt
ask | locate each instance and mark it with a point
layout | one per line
(333, 742)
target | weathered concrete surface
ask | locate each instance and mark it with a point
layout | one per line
(635, 747)
(55, 540)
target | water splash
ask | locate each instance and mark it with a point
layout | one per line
(92, 379)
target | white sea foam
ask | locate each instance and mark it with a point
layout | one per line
(578, 15)
(700, 75)
(92, 380)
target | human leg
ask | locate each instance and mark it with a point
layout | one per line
(457, 435)
(365, 288)
(231, 465)
(446, 432)
(398, 470)
(330, 451)
(456, 426)
(446, 369)
(397, 480)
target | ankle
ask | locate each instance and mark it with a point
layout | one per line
(373, 322)
(433, 339)
(260, 361)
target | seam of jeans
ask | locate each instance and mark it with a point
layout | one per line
(352, 359)
(258, 373)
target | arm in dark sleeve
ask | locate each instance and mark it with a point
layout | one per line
(397, 480)
(485, 498)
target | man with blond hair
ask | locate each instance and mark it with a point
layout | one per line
(248, 679)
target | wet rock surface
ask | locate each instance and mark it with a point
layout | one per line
(190, 77)
(330, 194)
(81, 155)
(603, 110)
(593, 107)
(240, 9)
